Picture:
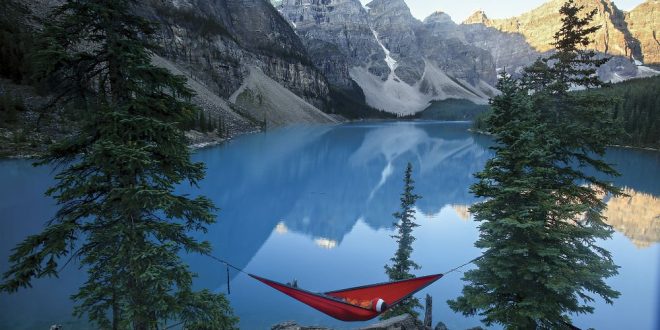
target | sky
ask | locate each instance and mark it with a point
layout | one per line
(459, 10)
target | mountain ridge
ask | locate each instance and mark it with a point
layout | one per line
(614, 37)
(378, 53)
(400, 50)
(388, 53)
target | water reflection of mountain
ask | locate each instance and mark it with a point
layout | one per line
(320, 182)
(637, 216)
(315, 181)
(463, 212)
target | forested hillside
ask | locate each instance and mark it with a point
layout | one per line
(636, 110)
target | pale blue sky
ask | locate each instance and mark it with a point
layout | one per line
(459, 10)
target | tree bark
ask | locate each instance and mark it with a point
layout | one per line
(428, 314)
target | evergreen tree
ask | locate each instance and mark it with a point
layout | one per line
(542, 215)
(401, 263)
(202, 122)
(221, 127)
(15, 41)
(118, 212)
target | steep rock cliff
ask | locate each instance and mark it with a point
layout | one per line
(337, 35)
(644, 24)
(394, 27)
(445, 44)
(510, 50)
(518, 41)
(217, 41)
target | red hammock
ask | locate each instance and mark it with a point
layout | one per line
(335, 303)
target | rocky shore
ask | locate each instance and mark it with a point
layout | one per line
(402, 322)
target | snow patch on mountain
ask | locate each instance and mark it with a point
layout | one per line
(391, 62)
(645, 71)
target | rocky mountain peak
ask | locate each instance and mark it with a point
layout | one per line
(337, 35)
(440, 24)
(396, 9)
(394, 28)
(438, 17)
(400, 63)
(478, 17)
(539, 25)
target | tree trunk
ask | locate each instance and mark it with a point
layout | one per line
(428, 315)
(115, 312)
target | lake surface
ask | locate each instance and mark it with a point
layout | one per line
(316, 204)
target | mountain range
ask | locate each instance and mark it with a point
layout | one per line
(401, 63)
(253, 61)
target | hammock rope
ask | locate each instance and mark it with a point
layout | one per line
(222, 261)
(463, 265)
(226, 263)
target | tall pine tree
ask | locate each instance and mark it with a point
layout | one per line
(401, 263)
(118, 212)
(542, 215)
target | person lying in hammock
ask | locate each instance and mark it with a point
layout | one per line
(378, 305)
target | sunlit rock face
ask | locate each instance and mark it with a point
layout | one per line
(644, 24)
(539, 26)
(637, 216)
(516, 42)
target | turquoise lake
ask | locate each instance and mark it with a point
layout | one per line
(315, 203)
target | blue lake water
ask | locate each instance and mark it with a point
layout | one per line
(316, 203)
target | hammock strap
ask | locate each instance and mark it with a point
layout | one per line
(463, 265)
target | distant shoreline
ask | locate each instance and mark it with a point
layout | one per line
(476, 131)
(204, 143)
